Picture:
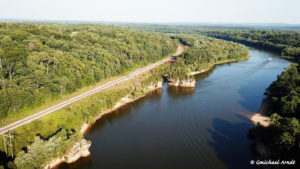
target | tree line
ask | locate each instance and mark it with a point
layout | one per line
(283, 95)
(287, 44)
(202, 53)
(42, 62)
(283, 98)
(52, 66)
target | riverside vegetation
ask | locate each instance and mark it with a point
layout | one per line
(283, 95)
(201, 54)
(42, 63)
(283, 98)
(287, 44)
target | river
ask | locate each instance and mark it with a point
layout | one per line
(176, 128)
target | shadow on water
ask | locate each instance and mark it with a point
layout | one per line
(228, 139)
(179, 92)
(203, 128)
(82, 163)
(228, 80)
(250, 99)
(123, 111)
(252, 90)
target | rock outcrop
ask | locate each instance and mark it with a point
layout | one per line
(182, 83)
(156, 86)
(80, 149)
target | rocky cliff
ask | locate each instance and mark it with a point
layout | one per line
(80, 149)
(182, 83)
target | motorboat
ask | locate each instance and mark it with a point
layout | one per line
(269, 59)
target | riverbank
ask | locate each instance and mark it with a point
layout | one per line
(219, 63)
(69, 114)
(182, 83)
(191, 82)
(81, 149)
(166, 115)
(125, 100)
(259, 118)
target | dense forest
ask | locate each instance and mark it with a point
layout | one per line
(283, 95)
(40, 141)
(42, 62)
(283, 98)
(198, 28)
(283, 40)
(202, 53)
(286, 44)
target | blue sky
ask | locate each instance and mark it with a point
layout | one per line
(157, 11)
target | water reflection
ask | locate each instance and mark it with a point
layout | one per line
(228, 140)
(83, 163)
(123, 111)
(175, 91)
(179, 128)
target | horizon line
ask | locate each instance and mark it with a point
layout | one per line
(146, 22)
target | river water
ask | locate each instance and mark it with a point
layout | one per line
(175, 128)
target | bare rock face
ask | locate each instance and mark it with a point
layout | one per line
(182, 83)
(80, 149)
(156, 86)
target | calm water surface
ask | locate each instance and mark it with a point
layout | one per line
(173, 128)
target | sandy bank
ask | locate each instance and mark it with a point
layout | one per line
(257, 118)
